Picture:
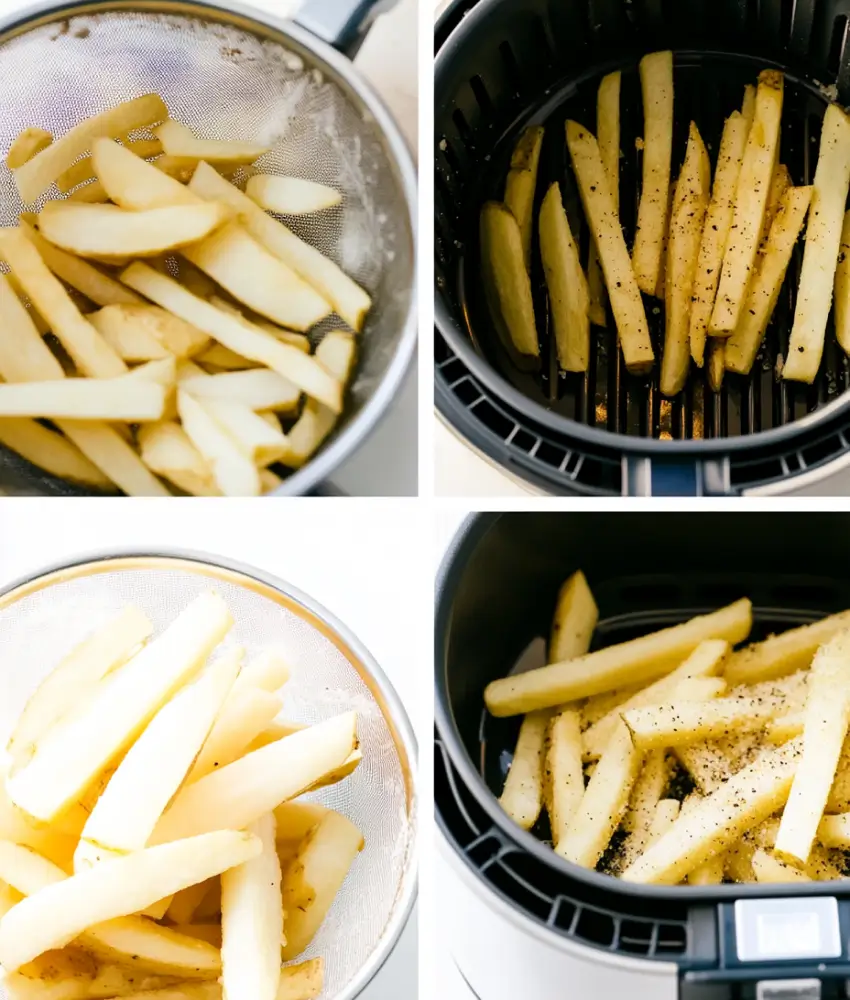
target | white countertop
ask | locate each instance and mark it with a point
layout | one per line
(322, 549)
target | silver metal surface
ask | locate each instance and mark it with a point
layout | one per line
(42, 617)
(789, 989)
(231, 72)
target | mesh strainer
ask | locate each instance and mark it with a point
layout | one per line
(43, 616)
(228, 72)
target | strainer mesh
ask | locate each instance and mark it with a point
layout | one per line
(38, 629)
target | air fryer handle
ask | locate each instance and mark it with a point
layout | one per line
(645, 476)
(342, 23)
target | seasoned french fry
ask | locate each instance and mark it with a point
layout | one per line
(521, 184)
(522, 796)
(683, 722)
(842, 288)
(666, 814)
(710, 872)
(643, 804)
(715, 232)
(748, 216)
(574, 620)
(820, 257)
(690, 200)
(597, 706)
(748, 107)
(608, 135)
(779, 184)
(563, 782)
(623, 291)
(177, 140)
(656, 78)
(569, 300)
(27, 144)
(234, 471)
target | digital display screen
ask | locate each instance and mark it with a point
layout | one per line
(771, 930)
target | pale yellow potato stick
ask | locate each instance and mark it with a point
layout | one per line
(177, 140)
(522, 796)
(575, 618)
(842, 288)
(563, 781)
(522, 183)
(27, 144)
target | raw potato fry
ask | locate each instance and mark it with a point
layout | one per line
(827, 717)
(23, 354)
(234, 472)
(754, 180)
(268, 671)
(604, 802)
(154, 768)
(315, 876)
(842, 288)
(642, 659)
(666, 814)
(210, 933)
(743, 345)
(575, 618)
(36, 176)
(27, 144)
(521, 184)
(834, 831)
(91, 194)
(238, 335)
(304, 981)
(167, 450)
(90, 353)
(130, 342)
(336, 774)
(783, 654)
(608, 133)
(623, 291)
(770, 869)
(103, 446)
(720, 819)
(569, 300)
(174, 335)
(713, 762)
(262, 443)
(785, 728)
(522, 796)
(50, 452)
(84, 399)
(252, 921)
(177, 140)
(291, 195)
(296, 819)
(820, 257)
(234, 259)
(223, 359)
(69, 758)
(244, 716)
(779, 184)
(76, 675)
(748, 107)
(236, 795)
(143, 944)
(715, 233)
(710, 872)
(690, 200)
(598, 706)
(716, 363)
(133, 183)
(81, 172)
(348, 299)
(275, 731)
(682, 722)
(656, 78)
(186, 902)
(643, 804)
(260, 389)
(60, 912)
(507, 287)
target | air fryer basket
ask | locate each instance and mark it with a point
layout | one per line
(232, 71)
(502, 65)
(495, 597)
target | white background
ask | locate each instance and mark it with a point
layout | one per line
(357, 558)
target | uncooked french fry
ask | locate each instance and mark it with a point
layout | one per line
(133, 183)
(643, 805)
(710, 872)
(50, 451)
(522, 796)
(748, 107)
(27, 144)
(291, 195)
(682, 722)
(563, 782)
(167, 450)
(234, 472)
(666, 814)
(521, 184)
(90, 194)
(574, 620)
(259, 389)
(842, 288)
(608, 136)
(115, 458)
(83, 399)
(244, 716)
(177, 140)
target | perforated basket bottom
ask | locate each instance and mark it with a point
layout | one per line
(36, 630)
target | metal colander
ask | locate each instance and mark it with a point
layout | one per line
(238, 75)
(43, 617)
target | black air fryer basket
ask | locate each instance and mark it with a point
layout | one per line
(495, 597)
(505, 64)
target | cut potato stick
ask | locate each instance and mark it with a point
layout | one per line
(73, 754)
(643, 659)
(90, 353)
(268, 671)
(260, 389)
(770, 869)
(834, 831)
(522, 796)
(133, 183)
(79, 173)
(90, 194)
(36, 176)
(186, 902)
(783, 654)
(683, 722)
(842, 288)
(106, 449)
(76, 675)
(174, 335)
(715, 233)
(623, 291)
(785, 728)
(643, 804)
(521, 184)
(236, 795)
(244, 716)
(261, 440)
(710, 872)
(349, 300)
(167, 450)
(748, 107)
(597, 706)
(27, 144)
(713, 762)
(743, 345)
(779, 184)
(608, 135)
(666, 814)
(84, 399)
(130, 342)
(719, 820)
(23, 354)
(336, 774)
(234, 259)
(716, 367)
(296, 819)
(604, 802)
(51, 452)
(60, 912)
(574, 620)
(291, 195)
(820, 256)
(234, 472)
(314, 878)
(690, 200)
(177, 140)
(143, 944)
(252, 921)
(569, 300)
(827, 717)
(754, 180)
(656, 78)
(223, 360)
(238, 335)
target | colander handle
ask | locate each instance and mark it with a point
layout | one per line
(645, 476)
(342, 23)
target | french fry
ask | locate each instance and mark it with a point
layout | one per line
(261, 440)
(656, 78)
(348, 299)
(83, 399)
(260, 389)
(748, 106)
(234, 472)
(238, 335)
(177, 140)
(779, 184)
(842, 288)
(224, 360)
(106, 449)
(710, 872)
(36, 176)
(167, 450)
(133, 183)
(291, 195)
(521, 184)
(645, 659)
(522, 796)
(574, 620)
(820, 256)
(315, 876)
(608, 134)
(236, 795)
(720, 819)
(623, 291)
(666, 814)
(27, 144)
(715, 232)
(90, 194)
(131, 342)
(174, 335)
(23, 354)
(683, 722)
(597, 706)
(827, 717)
(690, 200)
(716, 363)
(50, 451)
(643, 804)
(569, 300)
